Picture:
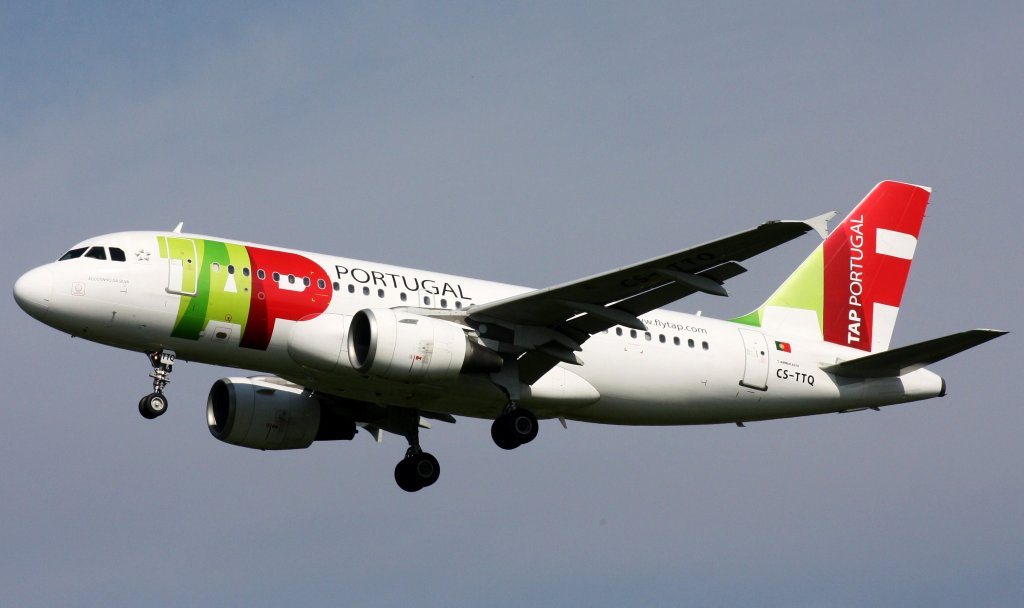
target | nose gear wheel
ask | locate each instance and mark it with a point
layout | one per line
(155, 403)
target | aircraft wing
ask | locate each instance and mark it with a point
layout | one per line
(550, 325)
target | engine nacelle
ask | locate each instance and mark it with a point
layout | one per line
(270, 414)
(319, 343)
(403, 346)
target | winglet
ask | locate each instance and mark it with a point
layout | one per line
(820, 223)
(177, 229)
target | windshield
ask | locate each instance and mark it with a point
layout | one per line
(74, 253)
(97, 252)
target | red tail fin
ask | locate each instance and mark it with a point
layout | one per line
(867, 260)
(849, 289)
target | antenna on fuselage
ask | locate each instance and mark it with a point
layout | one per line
(178, 227)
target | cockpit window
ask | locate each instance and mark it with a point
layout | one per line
(96, 253)
(74, 253)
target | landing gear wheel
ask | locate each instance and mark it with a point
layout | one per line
(524, 425)
(502, 434)
(417, 471)
(152, 405)
(513, 429)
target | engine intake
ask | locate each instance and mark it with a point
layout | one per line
(404, 346)
(269, 414)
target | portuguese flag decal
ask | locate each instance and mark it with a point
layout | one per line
(783, 346)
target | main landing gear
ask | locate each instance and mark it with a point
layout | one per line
(155, 403)
(418, 469)
(514, 427)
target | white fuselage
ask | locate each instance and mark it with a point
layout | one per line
(685, 369)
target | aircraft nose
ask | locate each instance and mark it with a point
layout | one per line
(34, 291)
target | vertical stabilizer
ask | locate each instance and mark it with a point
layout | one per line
(848, 291)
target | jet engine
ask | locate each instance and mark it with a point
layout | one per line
(271, 414)
(403, 346)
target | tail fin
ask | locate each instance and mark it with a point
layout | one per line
(848, 291)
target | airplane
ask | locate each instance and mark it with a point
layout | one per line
(344, 344)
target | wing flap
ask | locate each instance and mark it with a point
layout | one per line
(653, 298)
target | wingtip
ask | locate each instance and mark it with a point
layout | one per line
(819, 223)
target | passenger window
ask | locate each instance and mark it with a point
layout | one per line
(291, 279)
(276, 276)
(260, 274)
(426, 300)
(647, 336)
(380, 293)
(704, 345)
(366, 291)
(306, 281)
(661, 338)
(404, 296)
(351, 288)
(675, 340)
(231, 269)
(444, 303)
(458, 305)
(632, 333)
(618, 331)
(74, 253)
(117, 254)
(321, 284)
(690, 342)
(245, 271)
(215, 267)
(96, 253)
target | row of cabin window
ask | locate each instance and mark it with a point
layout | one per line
(402, 295)
(320, 283)
(96, 252)
(276, 276)
(661, 338)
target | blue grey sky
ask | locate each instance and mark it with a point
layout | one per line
(530, 144)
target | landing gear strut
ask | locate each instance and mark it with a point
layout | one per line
(155, 403)
(418, 469)
(514, 427)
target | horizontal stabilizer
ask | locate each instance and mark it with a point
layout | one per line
(904, 360)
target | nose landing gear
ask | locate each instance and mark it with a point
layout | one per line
(155, 403)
